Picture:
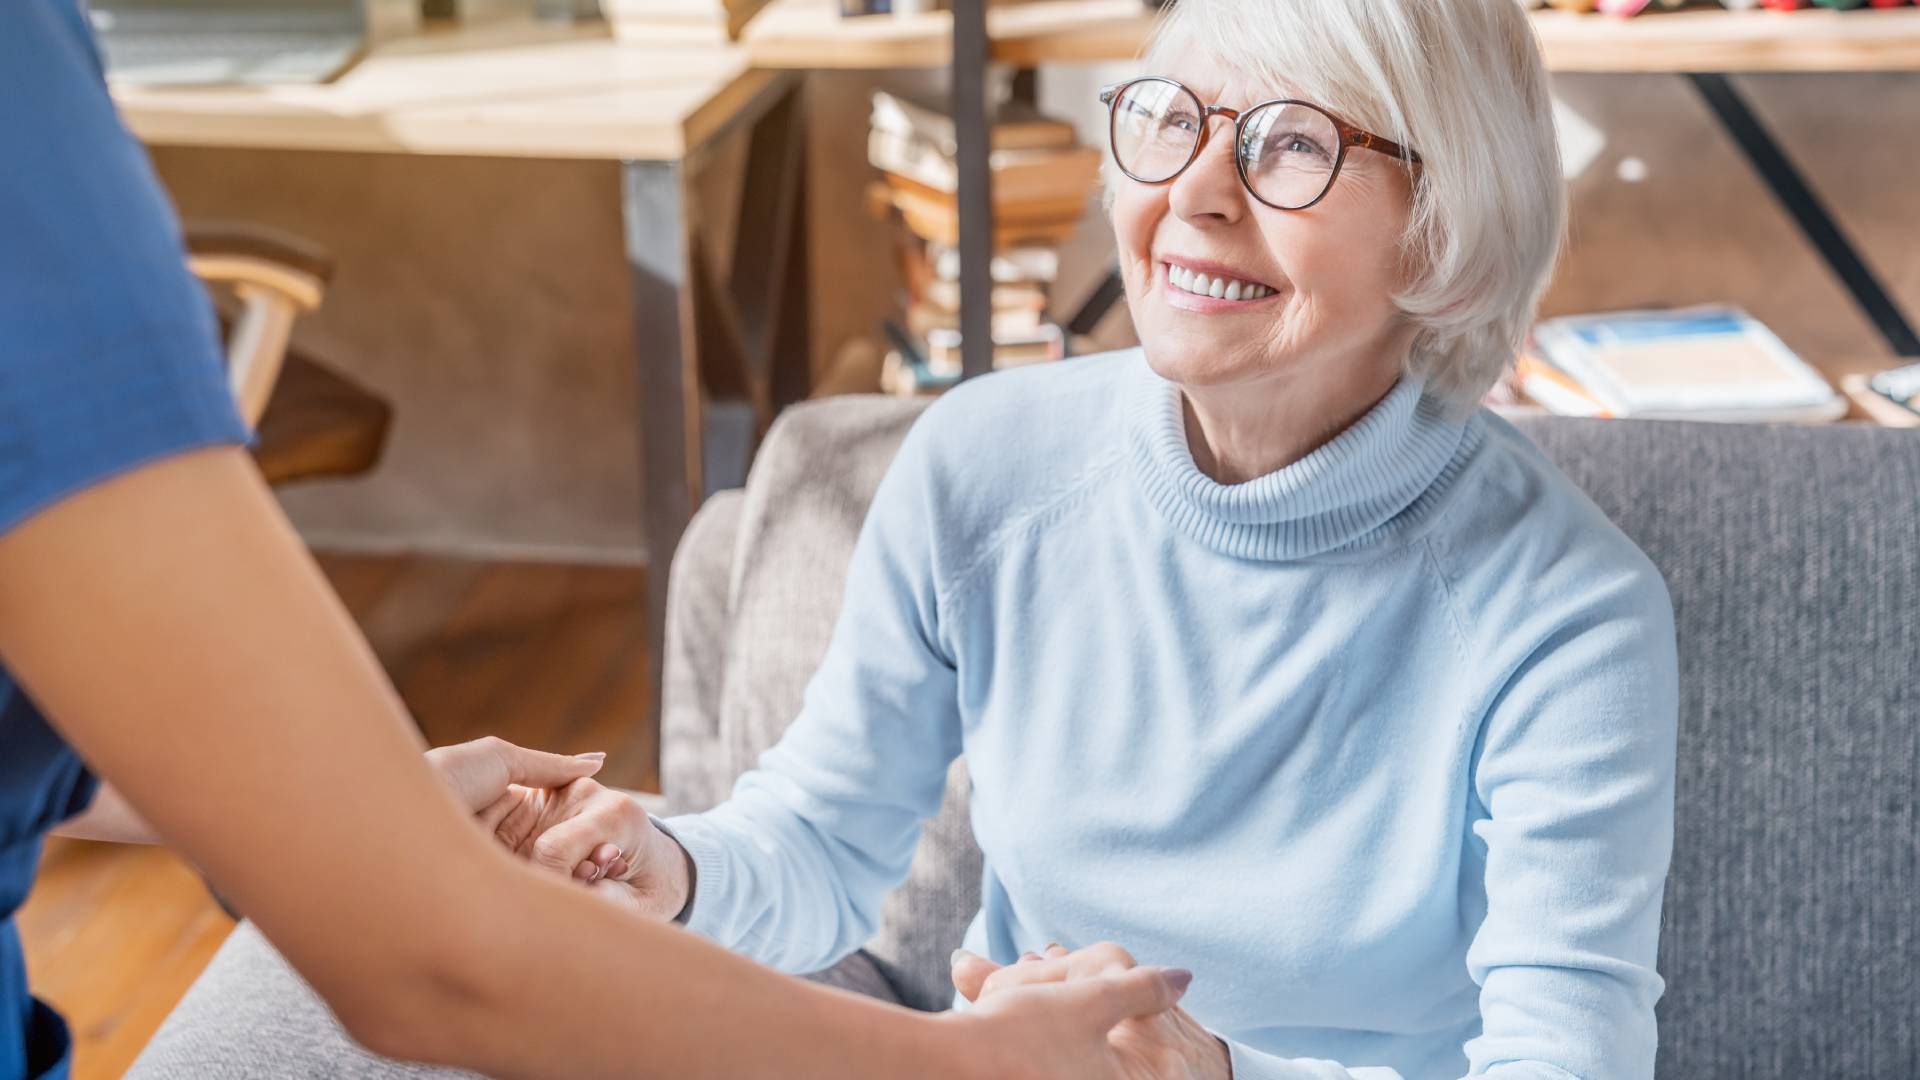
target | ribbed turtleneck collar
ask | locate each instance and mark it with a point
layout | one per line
(1372, 480)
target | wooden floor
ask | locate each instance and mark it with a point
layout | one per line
(547, 655)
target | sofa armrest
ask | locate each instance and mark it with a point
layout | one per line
(693, 771)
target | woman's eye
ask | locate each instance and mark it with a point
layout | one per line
(1182, 121)
(1295, 143)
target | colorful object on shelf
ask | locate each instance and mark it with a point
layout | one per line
(1840, 5)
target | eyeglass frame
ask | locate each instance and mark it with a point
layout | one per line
(1349, 135)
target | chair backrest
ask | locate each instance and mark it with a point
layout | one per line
(1792, 920)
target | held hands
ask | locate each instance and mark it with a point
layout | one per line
(545, 808)
(599, 837)
(1160, 1045)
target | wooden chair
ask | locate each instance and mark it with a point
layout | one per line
(313, 422)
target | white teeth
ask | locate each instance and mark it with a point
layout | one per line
(1218, 287)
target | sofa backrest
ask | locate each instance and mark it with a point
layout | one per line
(1792, 923)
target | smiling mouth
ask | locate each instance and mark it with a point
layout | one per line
(1194, 283)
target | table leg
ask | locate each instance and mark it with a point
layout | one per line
(716, 358)
(670, 407)
(1808, 211)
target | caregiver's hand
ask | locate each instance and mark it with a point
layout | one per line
(1169, 1045)
(598, 836)
(1049, 1028)
(480, 772)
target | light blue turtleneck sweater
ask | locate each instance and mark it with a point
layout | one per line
(1380, 745)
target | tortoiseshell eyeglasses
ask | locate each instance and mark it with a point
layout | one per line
(1288, 152)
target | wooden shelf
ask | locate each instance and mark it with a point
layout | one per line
(812, 34)
(1812, 39)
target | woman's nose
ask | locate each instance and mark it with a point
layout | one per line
(1210, 190)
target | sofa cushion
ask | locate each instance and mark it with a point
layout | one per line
(693, 773)
(806, 499)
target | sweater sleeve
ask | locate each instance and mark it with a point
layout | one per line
(793, 868)
(1575, 773)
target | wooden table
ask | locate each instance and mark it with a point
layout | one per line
(716, 358)
(1703, 45)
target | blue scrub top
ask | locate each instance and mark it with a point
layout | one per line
(108, 360)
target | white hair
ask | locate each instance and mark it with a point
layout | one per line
(1461, 83)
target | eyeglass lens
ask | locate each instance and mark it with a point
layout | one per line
(1288, 150)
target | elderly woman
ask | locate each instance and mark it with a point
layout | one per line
(1273, 656)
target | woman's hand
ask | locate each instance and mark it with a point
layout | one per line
(482, 771)
(597, 836)
(1167, 1045)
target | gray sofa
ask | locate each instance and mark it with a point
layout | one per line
(1791, 944)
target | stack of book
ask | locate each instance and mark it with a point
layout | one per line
(1041, 179)
(1713, 362)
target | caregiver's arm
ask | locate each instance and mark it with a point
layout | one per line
(189, 648)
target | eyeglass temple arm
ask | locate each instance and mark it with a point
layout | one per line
(1384, 145)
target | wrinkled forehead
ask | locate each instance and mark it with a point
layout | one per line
(1217, 84)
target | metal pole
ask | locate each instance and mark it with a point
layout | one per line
(971, 134)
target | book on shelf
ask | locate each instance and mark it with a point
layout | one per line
(924, 318)
(1014, 126)
(1021, 275)
(1042, 343)
(904, 376)
(1020, 264)
(1710, 362)
(935, 217)
(945, 295)
(1019, 176)
(1890, 397)
(1552, 389)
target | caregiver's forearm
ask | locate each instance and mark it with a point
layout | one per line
(247, 720)
(111, 818)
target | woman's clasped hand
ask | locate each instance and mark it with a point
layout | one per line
(1169, 1045)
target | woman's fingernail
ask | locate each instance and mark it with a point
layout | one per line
(954, 960)
(597, 755)
(1178, 978)
(584, 871)
(1026, 956)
